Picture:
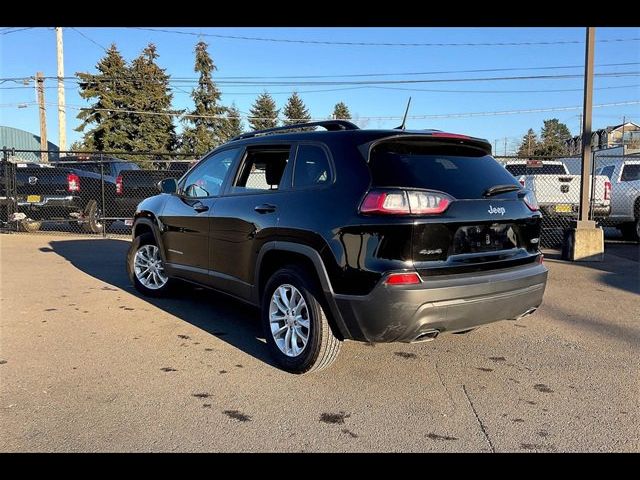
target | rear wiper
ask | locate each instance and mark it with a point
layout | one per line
(496, 189)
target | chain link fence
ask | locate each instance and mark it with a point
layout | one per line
(80, 192)
(97, 193)
(556, 181)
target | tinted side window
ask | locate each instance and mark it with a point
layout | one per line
(630, 172)
(262, 170)
(312, 167)
(207, 178)
(608, 171)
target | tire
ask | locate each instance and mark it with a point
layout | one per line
(29, 226)
(321, 347)
(631, 230)
(92, 223)
(138, 245)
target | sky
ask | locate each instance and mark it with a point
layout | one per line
(24, 52)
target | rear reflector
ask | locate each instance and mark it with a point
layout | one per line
(403, 279)
(607, 190)
(541, 259)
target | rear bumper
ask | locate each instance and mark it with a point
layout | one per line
(455, 303)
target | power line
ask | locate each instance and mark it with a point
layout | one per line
(382, 44)
(412, 117)
(88, 38)
(347, 82)
(17, 30)
(387, 74)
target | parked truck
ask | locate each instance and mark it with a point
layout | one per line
(557, 191)
(624, 176)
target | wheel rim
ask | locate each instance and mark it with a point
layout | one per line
(148, 267)
(289, 320)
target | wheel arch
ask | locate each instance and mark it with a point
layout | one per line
(275, 255)
(147, 224)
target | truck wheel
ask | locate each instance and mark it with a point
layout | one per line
(29, 226)
(145, 267)
(92, 222)
(295, 324)
(631, 230)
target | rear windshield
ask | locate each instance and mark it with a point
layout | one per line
(459, 171)
(545, 169)
(631, 172)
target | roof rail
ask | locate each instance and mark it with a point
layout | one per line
(330, 125)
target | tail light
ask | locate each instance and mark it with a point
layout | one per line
(73, 182)
(607, 190)
(521, 180)
(405, 202)
(119, 185)
(531, 201)
(403, 279)
(541, 259)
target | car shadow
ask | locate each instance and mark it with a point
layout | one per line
(230, 320)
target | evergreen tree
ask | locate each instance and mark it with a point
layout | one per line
(263, 113)
(553, 137)
(529, 144)
(295, 111)
(207, 128)
(105, 128)
(233, 123)
(341, 112)
(151, 93)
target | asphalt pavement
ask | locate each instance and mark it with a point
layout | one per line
(87, 364)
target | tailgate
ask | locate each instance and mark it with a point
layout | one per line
(555, 189)
(42, 181)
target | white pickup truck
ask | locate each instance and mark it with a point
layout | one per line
(557, 191)
(625, 196)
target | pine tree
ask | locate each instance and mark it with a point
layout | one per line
(295, 111)
(341, 112)
(263, 113)
(233, 123)
(529, 144)
(151, 93)
(206, 129)
(104, 126)
(553, 138)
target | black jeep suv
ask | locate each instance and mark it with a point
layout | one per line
(347, 234)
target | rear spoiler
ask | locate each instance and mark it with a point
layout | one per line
(436, 137)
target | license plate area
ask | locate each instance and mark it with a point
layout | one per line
(485, 238)
(563, 208)
(34, 198)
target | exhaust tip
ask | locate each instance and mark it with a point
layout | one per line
(427, 336)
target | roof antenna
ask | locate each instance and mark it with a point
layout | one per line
(404, 119)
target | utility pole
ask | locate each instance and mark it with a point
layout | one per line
(43, 117)
(584, 241)
(495, 147)
(586, 125)
(505, 146)
(62, 117)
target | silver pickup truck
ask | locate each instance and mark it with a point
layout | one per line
(625, 196)
(557, 191)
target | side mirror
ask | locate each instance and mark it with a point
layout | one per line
(168, 185)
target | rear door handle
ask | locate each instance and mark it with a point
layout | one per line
(200, 207)
(265, 208)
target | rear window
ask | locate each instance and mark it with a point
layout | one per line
(545, 169)
(631, 172)
(462, 172)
